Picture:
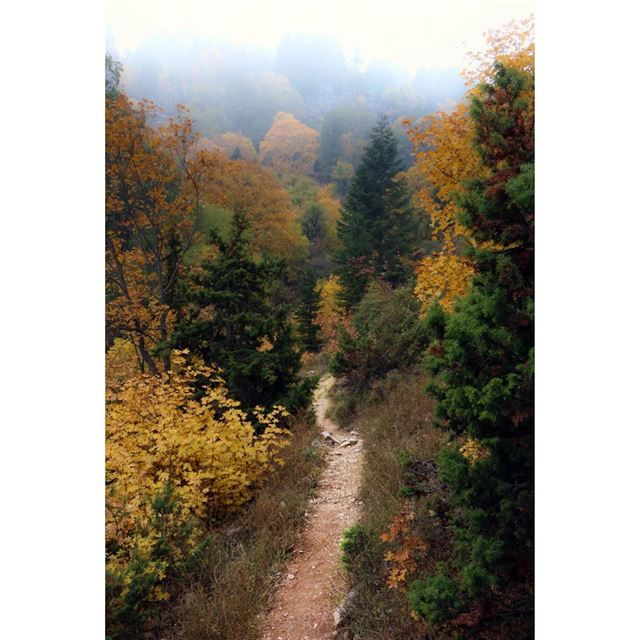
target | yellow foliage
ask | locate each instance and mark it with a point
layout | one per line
(330, 314)
(330, 202)
(157, 431)
(472, 450)
(290, 146)
(446, 158)
(121, 363)
(443, 146)
(444, 277)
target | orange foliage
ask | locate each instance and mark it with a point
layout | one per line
(156, 180)
(275, 227)
(290, 146)
(403, 558)
(230, 144)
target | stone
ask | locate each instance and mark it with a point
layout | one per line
(329, 438)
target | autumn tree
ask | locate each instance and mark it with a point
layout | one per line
(482, 360)
(377, 229)
(318, 210)
(328, 199)
(233, 145)
(513, 45)
(229, 321)
(331, 315)
(274, 225)
(446, 158)
(289, 146)
(155, 184)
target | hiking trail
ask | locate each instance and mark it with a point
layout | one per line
(305, 602)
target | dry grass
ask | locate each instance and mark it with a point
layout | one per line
(229, 589)
(394, 418)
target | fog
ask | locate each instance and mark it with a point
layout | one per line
(408, 33)
(334, 67)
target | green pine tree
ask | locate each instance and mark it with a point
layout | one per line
(230, 322)
(307, 312)
(378, 227)
(482, 359)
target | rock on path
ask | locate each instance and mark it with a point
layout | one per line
(305, 601)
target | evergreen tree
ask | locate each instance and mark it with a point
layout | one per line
(378, 228)
(482, 357)
(307, 312)
(230, 323)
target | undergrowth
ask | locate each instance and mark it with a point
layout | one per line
(394, 418)
(227, 589)
(406, 529)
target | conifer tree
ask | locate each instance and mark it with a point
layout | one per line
(482, 357)
(230, 323)
(307, 313)
(378, 227)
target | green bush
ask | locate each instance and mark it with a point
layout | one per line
(436, 598)
(388, 334)
(352, 545)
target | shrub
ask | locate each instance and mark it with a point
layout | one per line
(230, 580)
(352, 544)
(392, 420)
(174, 462)
(387, 333)
(435, 598)
(137, 576)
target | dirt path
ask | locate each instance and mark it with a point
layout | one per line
(313, 587)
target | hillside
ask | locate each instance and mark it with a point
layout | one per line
(319, 345)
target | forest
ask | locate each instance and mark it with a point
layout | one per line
(319, 271)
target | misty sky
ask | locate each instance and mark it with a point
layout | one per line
(411, 33)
